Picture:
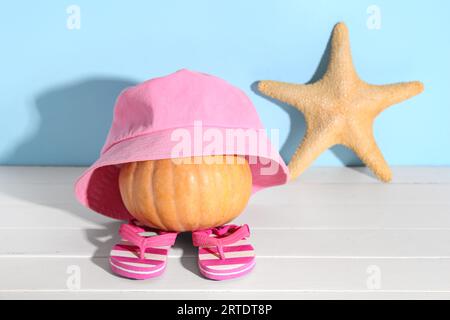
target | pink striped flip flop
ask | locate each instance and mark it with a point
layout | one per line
(224, 252)
(142, 254)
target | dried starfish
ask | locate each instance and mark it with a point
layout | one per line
(340, 109)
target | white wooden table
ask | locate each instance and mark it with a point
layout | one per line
(334, 233)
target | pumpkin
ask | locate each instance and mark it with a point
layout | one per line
(203, 192)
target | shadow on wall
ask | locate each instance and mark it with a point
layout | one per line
(297, 127)
(73, 123)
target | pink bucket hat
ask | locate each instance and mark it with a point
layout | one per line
(158, 118)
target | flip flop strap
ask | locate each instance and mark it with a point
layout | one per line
(130, 232)
(202, 238)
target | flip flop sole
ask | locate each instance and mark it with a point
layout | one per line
(125, 261)
(137, 275)
(239, 260)
(227, 275)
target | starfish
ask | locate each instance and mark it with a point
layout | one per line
(340, 108)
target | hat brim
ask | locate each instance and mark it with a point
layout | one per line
(98, 187)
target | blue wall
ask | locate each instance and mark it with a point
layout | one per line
(58, 85)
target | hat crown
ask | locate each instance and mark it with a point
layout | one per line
(179, 100)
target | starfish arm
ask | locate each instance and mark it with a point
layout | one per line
(388, 95)
(314, 143)
(297, 95)
(341, 70)
(363, 143)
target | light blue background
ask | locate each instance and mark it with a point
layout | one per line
(58, 86)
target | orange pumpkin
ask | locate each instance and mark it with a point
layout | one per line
(180, 196)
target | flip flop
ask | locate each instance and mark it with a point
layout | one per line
(224, 252)
(142, 254)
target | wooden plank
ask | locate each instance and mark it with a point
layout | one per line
(268, 243)
(294, 194)
(299, 276)
(63, 216)
(10, 175)
(346, 216)
(206, 295)
(324, 175)
(286, 216)
(314, 206)
(35, 204)
(362, 175)
(353, 194)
